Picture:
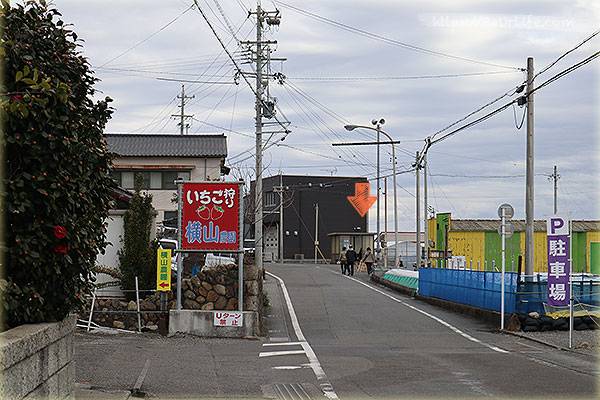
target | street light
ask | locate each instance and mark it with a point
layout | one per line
(379, 130)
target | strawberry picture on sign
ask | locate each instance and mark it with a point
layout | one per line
(210, 219)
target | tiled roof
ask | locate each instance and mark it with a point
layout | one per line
(478, 225)
(154, 145)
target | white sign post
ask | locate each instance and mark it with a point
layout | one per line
(505, 211)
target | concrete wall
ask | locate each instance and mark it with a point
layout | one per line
(36, 361)
(200, 323)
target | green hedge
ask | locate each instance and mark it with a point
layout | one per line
(56, 179)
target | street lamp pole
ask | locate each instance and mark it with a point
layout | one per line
(379, 130)
(378, 244)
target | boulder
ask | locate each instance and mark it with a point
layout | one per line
(147, 305)
(208, 306)
(202, 291)
(534, 314)
(220, 289)
(190, 304)
(152, 328)
(212, 296)
(188, 294)
(207, 285)
(118, 324)
(231, 304)
(201, 299)
(132, 306)
(230, 291)
(514, 325)
(222, 302)
(195, 281)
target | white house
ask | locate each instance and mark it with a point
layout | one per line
(161, 159)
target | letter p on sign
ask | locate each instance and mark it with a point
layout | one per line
(557, 226)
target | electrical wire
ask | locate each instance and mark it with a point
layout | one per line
(390, 78)
(517, 124)
(593, 35)
(235, 62)
(148, 37)
(387, 40)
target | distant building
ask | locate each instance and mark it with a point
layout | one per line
(477, 240)
(161, 159)
(300, 195)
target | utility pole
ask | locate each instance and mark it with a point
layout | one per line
(385, 226)
(262, 58)
(425, 210)
(281, 217)
(378, 244)
(316, 230)
(182, 115)
(529, 262)
(418, 204)
(555, 177)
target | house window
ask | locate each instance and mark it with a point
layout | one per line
(154, 180)
(270, 199)
(170, 219)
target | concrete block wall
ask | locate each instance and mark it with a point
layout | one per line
(36, 361)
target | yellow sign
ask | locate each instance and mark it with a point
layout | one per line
(163, 270)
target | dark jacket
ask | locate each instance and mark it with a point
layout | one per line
(350, 256)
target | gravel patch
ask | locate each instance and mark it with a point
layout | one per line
(587, 341)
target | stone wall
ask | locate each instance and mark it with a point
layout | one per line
(212, 289)
(36, 360)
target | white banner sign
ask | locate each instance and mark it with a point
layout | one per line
(228, 318)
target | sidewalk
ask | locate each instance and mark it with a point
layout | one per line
(587, 341)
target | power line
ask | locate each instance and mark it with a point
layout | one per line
(388, 40)
(235, 62)
(593, 35)
(390, 78)
(148, 37)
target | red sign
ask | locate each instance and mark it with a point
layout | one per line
(210, 217)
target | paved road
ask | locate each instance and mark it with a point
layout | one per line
(372, 342)
(345, 338)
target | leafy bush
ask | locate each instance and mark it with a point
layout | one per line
(138, 256)
(56, 179)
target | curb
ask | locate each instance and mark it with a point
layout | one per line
(540, 341)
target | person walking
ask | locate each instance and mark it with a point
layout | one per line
(343, 260)
(350, 260)
(369, 259)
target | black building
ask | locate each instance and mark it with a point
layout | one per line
(301, 194)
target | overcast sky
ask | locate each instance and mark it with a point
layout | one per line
(122, 35)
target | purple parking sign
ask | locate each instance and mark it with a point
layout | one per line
(559, 265)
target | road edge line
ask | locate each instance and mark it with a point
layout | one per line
(315, 365)
(437, 319)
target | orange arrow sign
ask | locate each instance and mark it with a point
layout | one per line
(163, 285)
(362, 199)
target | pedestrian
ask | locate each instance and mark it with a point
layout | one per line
(369, 259)
(351, 257)
(343, 260)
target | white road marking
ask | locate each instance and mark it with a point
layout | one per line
(283, 344)
(280, 353)
(322, 379)
(441, 321)
(286, 367)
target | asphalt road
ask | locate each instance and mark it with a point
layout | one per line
(345, 338)
(375, 343)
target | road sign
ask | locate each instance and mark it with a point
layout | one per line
(362, 199)
(509, 229)
(559, 264)
(509, 211)
(163, 270)
(210, 217)
(228, 318)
